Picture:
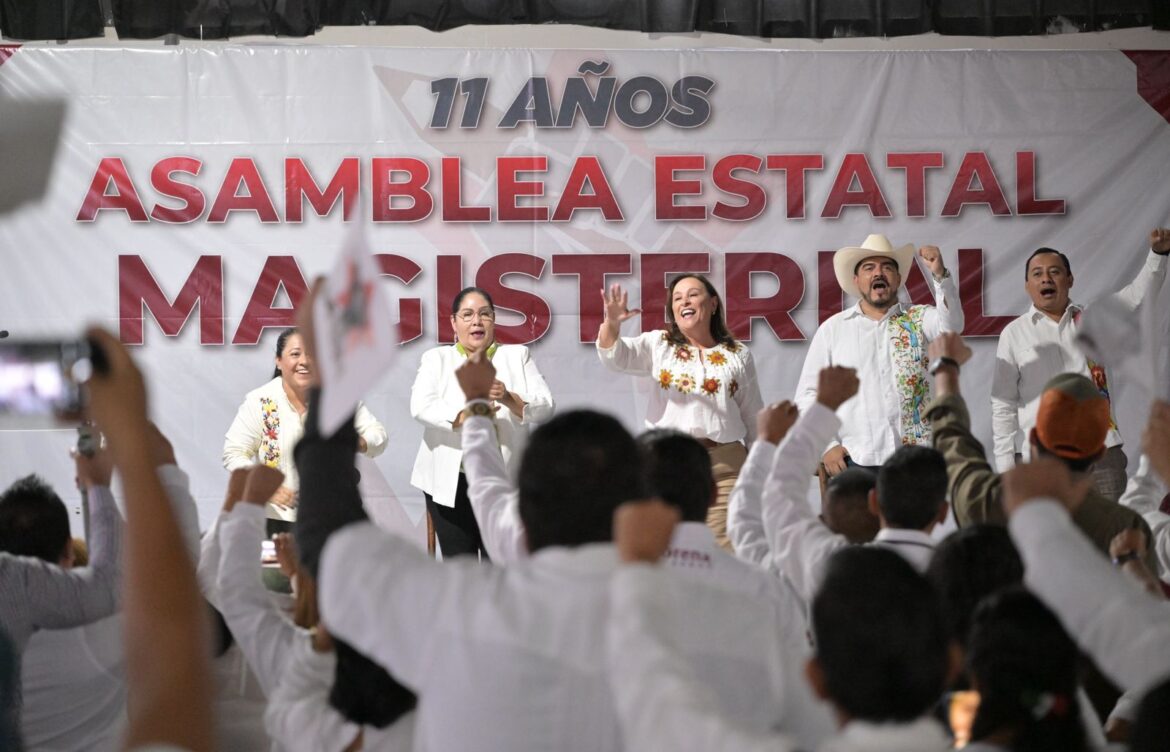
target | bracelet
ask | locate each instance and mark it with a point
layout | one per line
(1122, 559)
(938, 363)
(480, 407)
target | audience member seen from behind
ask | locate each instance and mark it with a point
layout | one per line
(846, 510)
(74, 691)
(165, 629)
(1024, 667)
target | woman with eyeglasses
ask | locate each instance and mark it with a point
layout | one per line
(705, 380)
(520, 397)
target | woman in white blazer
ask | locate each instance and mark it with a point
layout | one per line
(520, 395)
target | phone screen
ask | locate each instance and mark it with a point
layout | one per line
(40, 382)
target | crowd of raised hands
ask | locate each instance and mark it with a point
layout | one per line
(600, 624)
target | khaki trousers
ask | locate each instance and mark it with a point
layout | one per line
(726, 460)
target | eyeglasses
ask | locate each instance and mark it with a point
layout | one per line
(467, 315)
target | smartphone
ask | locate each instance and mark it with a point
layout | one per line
(268, 553)
(41, 382)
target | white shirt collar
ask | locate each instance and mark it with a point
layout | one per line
(854, 311)
(901, 535)
(592, 558)
(1035, 314)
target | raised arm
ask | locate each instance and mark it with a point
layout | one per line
(947, 314)
(298, 715)
(1153, 272)
(632, 355)
(1117, 623)
(661, 704)
(801, 544)
(164, 626)
(493, 500)
(265, 635)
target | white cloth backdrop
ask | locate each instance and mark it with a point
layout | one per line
(1098, 186)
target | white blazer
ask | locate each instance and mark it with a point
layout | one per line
(436, 399)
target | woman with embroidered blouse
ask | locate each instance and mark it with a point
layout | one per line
(706, 380)
(270, 422)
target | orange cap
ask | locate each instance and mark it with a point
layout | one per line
(1073, 419)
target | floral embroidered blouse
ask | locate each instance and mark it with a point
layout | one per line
(709, 394)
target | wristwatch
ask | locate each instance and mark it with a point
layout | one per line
(938, 363)
(480, 407)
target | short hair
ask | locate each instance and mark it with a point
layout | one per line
(33, 520)
(281, 341)
(576, 471)
(969, 565)
(1042, 251)
(911, 485)
(677, 468)
(845, 508)
(881, 641)
(1025, 667)
(458, 301)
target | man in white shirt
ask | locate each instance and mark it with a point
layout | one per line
(909, 498)
(886, 342)
(520, 650)
(1042, 343)
(881, 657)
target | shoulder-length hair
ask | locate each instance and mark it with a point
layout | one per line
(719, 330)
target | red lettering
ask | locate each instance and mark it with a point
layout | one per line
(829, 293)
(588, 171)
(915, 164)
(453, 208)
(448, 283)
(742, 308)
(537, 315)
(413, 188)
(193, 199)
(278, 272)
(137, 287)
(855, 169)
(723, 175)
(976, 183)
(921, 291)
(300, 185)
(971, 283)
(124, 197)
(654, 268)
(509, 188)
(409, 309)
(1026, 201)
(667, 187)
(590, 269)
(254, 199)
(794, 167)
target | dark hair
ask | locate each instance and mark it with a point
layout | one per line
(845, 508)
(576, 471)
(677, 468)
(969, 565)
(880, 638)
(458, 301)
(1151, 728)
(33, 520)
(911, 485)
(719, 330)
(1041, 251)
(281, 341)
(1025, 667)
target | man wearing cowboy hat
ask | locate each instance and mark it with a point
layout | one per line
(885, 341)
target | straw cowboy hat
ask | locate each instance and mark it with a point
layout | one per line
(847, 259)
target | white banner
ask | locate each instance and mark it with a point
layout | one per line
(199, 188)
